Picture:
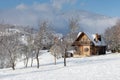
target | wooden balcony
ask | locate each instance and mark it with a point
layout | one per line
(83, 43)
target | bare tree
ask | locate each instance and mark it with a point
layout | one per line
(11, 44)
(73, 25)
(56, 49)
(30, 44)
(29, 48)
(42, 39)
(74, 28)
(112, 37)
(25, 52)
(2, 57)
(65, 45)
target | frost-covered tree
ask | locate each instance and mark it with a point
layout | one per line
(42, 39)
(73, 28)
(56, 49)
(28, 48)
(112, 37)
(11, 45)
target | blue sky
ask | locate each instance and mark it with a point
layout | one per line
(104, 7)
(93, 15)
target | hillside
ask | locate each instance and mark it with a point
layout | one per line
(104, 67)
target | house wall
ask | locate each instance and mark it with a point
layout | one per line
(101, 50)
(84, 38)
(98, 50)
(94, 50)
(84, 47)
(86, 51)
(89, 50)
(82, 51)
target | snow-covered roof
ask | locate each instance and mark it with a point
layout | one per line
(79, 34)
(92, 38)
(71, 51)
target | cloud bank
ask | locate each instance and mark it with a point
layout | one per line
(53, 12)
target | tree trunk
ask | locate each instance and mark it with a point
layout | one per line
(13, 66)
(31, 62)
(55, 58)
(37, 55)
(37, 62)
(65, 57)
(26, 62)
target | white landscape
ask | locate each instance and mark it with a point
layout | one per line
(40, 31)
(102, 67)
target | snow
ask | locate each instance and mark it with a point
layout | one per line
(103, 67)
(92, 37)
(79, 34)
(71, 51)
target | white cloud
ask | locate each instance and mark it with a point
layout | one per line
(30, 15)
(21, 7)
(91, 22)
(97, 25)
(42, 7)
(58, 4)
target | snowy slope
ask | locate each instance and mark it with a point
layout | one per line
(104, 67)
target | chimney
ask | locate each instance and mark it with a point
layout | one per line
(97, 37)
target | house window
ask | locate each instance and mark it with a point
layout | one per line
(86, 49)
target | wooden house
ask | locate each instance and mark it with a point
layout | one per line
(87, 44)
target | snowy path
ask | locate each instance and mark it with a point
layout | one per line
(104, 67)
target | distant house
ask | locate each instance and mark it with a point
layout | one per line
(87, 44)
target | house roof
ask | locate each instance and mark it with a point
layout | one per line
(70, 51)
(92, 38)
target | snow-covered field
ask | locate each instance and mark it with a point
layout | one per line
(104, 67)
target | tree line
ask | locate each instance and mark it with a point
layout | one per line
(112, 37)
(24, 41)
